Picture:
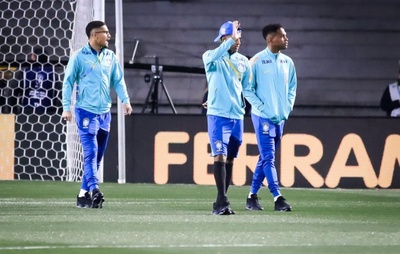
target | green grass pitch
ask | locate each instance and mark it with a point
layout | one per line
(41, 217)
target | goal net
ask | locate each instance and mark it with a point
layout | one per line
(36, 40)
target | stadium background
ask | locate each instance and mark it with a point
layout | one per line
(346, 52)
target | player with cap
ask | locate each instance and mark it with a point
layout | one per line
(227, 72)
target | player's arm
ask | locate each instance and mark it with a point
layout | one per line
(250, 86)
(292, 86)
(118, 82)
(68, 85)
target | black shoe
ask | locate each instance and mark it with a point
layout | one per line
(97, 199)
(84, 202)
(281, 205)
(252, 203)
(222, 207)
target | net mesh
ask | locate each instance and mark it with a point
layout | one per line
(36, 39)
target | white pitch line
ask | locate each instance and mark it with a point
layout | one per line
(175, 246)
(129, 246)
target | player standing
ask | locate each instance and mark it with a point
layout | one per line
(271, 93)
(227, 71)
(94, 69)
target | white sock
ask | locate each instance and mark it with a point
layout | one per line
(275, 198)
(82, 193)
(250, 195)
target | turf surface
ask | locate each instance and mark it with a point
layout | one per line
(41, 217)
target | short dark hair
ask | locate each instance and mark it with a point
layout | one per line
(269, 29)
(93, 25)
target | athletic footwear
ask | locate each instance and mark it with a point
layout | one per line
(222, 207)
(281, 205)
(84, 202)
(252, 203)
(97, 199)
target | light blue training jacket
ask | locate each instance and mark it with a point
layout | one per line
(94, 73)
(226, 83)
(272, 88)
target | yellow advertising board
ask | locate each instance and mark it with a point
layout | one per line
(7, 133)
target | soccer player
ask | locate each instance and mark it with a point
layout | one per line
(226, 72)
(94, 69)
(271, 93)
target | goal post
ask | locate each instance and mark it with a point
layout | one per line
(99, 14)
(79, 39)
(119, 43)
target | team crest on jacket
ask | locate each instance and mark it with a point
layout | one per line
(241, 67)
(85, 123)
(265, 128)
(218, 145)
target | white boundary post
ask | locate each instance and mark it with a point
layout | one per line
(74, 150)
(99, 14)
(119, 46)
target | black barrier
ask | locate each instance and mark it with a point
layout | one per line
(315, 152)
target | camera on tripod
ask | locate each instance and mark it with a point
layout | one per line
(151, 104)
(147, 77)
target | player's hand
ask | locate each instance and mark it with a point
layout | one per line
(204, 104)
(66, 116)
(236, 33)
(127, 108)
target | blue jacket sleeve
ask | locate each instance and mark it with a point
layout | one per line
(292, 86)
(212, 55)
(70, 77)
(251, 86)
(118, 82)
